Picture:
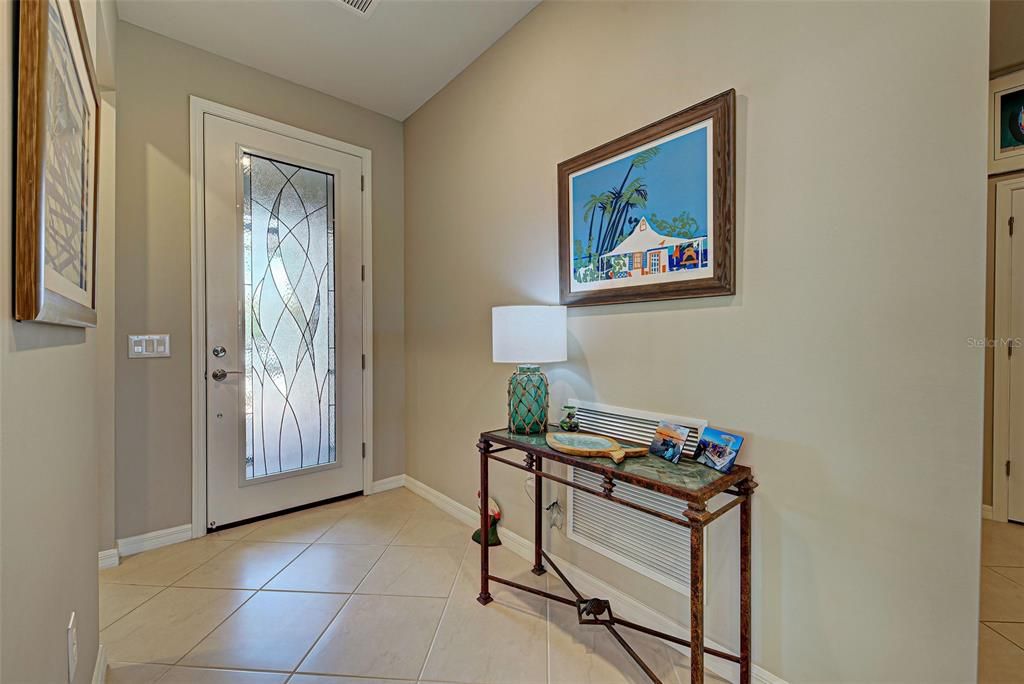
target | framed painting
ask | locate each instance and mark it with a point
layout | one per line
(1006, 123)
(55, 167)
(651, 215)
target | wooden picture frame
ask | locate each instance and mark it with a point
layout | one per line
(633, 255)
(56, 167)
(1006, 123)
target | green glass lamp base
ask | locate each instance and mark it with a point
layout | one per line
(527, 401)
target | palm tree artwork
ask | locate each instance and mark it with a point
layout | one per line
(611, 201)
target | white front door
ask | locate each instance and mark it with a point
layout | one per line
(284, 321)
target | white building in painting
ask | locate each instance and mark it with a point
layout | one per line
(648, 252)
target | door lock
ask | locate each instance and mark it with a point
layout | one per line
(220, 374)
(219, 351)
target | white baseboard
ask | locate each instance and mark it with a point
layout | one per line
(394, 482)
(625, 605)
(986, 512)
(99, 673)
(109, 559)
(449, 506)
(154, 540)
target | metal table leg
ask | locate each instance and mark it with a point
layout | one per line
(485, 527)
(745, 529)
(538, 516)
(694, 514)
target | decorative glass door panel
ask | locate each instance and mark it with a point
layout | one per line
(288, 271)
(284, 322)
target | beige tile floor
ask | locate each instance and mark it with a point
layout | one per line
(376, 590)
(1001, 635)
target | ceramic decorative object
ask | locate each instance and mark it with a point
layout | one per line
(494, 516)
(570, 423)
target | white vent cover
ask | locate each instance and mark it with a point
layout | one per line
(651, 546)
(363, 8)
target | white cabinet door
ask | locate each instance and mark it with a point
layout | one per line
(1015, 501)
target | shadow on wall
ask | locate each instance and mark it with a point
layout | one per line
(570, 380)
(28, 336)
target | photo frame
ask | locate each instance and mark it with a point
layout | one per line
(651, 215)
(1006, 123)
(55, 167)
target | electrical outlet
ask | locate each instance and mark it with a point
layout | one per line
(72, 648)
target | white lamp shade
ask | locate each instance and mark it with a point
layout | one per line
(528, 334)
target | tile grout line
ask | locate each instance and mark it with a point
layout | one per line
(386, 545)
(241, 605)
(547, 633)
(218, 625)
(318, 638)
(257, 591)
(347, 600)
(1003, 637)
(1012, 642)
(167, 586)
(297, 556)
(350, 595)
(231, 543)
(162, 589)
(996, 568)
(444, 611)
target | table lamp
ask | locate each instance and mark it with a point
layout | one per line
(528, 336)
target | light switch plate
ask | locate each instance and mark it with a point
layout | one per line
(148, 346)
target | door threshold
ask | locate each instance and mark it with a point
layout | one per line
(293, 509)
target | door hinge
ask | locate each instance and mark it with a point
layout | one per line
(362, 273)
(1010, 223)
(364, 449)
(362, 183)
(1007, 466)
(364, 361)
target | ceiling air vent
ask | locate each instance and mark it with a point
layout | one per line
(363, 8)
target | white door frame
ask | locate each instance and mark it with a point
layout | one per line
(1001, 365)
(199, 107)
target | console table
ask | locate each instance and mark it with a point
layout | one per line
(688, 481)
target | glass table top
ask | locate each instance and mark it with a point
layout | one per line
(685, 477)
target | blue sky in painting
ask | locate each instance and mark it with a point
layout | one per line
(677, 180)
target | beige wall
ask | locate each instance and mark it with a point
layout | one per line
(106, 349)
(50, 421)
(156, 75)
(843, 357)
(1006, 49)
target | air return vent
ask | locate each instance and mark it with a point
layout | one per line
(653, 547)
(363, 8)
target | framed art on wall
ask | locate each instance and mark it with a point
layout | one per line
(55, 167)
(651, 215)
(1006, 123)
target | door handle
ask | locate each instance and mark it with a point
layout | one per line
(220, 374)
